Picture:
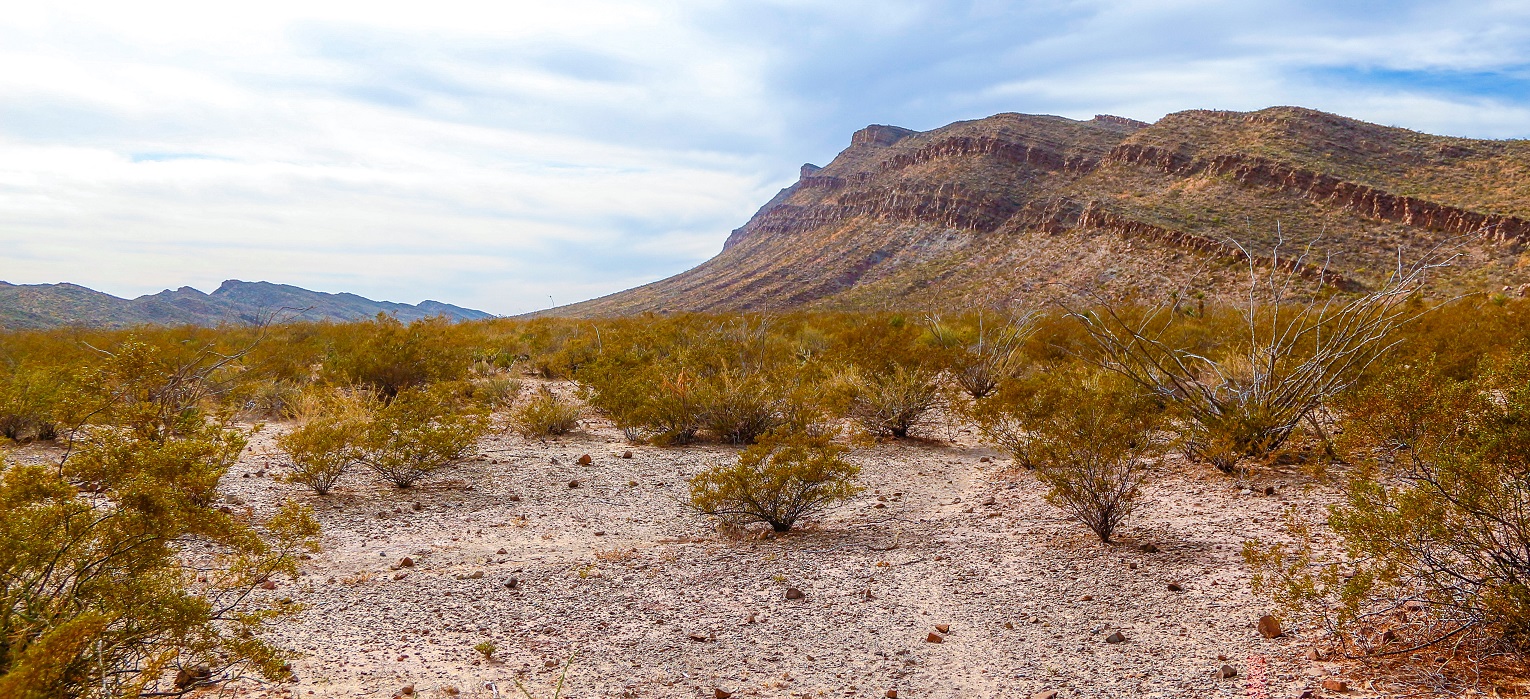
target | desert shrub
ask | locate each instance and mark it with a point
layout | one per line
(327, 441)
(93, 574)
(388, 356)
(892, 402)
(29, 403)
(1006, 417)
(494, 391)
(778, 480)
(1091, 448)
(1286, 355)
(275, 398)
(980, 353)
(546, 414)
(421, 432)
(1435, 530)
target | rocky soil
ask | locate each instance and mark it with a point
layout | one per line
(949, 577)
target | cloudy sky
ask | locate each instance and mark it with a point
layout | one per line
(507, 155)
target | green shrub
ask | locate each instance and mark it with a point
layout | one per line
(546, 414)
(327, 441)
(779, 480)
(389, 356)
(982, 352)
(1091, 448)
(421, 432)
(892, 402)
(93, 584)
(1436, 523)
(495, 391)
(1006, 417)
(29, 403)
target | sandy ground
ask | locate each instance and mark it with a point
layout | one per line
(656, 602)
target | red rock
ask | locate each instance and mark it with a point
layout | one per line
(1333, 685)
(720, 694)
(407, 562)
(574, 483)
(586, 460)
(943, 628)
(502, 552)
(1176, 587)
(934, 638)
(1116, 637)
(794, 593)
(626, 455)
(1269, 627)
(891, 694)
(1226, 672)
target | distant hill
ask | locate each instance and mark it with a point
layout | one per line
(34, 306)
(1007, 209)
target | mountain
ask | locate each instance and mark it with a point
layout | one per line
(1012, 207)
(29, 306)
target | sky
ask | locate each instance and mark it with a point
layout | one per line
(508, 156)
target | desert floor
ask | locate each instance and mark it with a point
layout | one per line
(652, 601)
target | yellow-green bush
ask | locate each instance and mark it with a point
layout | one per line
(422, 431)
(781, 479)
(546, 414)
(327, 440)
(97, 602)
(388, 356)
(1437, 517)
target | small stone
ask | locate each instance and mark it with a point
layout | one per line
(586, 460)
(513, 498)
(407, 691)
(1269, 490)
(1047, 694)
(1269, 627)
(1333, 685)
(1115, 637)
(186, 677)
(1413, 605)
(401, 575)
(1226, 672)
(600, 533)
(943, 628)
(512, 583)
(891, 694)
(1314, 654)
(1245, 491)
(574, 483)
(268, 585)
(794, 593)
(417, 506)
(1389, 636)
(697, 637)
(501, 552)
(1148, 548)
(934, 638)
(1009, 625)
(475, 575)
(1222, 658)
(720, 694)
(406, 562)
(626, 455)
(1176, 587)
(989, 500)
(1086, 598)
(1131, 565)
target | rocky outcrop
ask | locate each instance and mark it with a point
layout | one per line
(1328, 190)
(948, 205)
(1008, 151)
(1062, 215)
(880, 135)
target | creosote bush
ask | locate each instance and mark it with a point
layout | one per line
(327, 440)
(1436, 526)
(546, 414)
(96, 593)
(894, 401)
(779, 480)
(1091, 448)
(421, 432)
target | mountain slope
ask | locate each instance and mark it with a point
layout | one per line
(32, 306)
(1005, 209)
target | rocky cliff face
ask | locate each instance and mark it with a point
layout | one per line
(1005, 209)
